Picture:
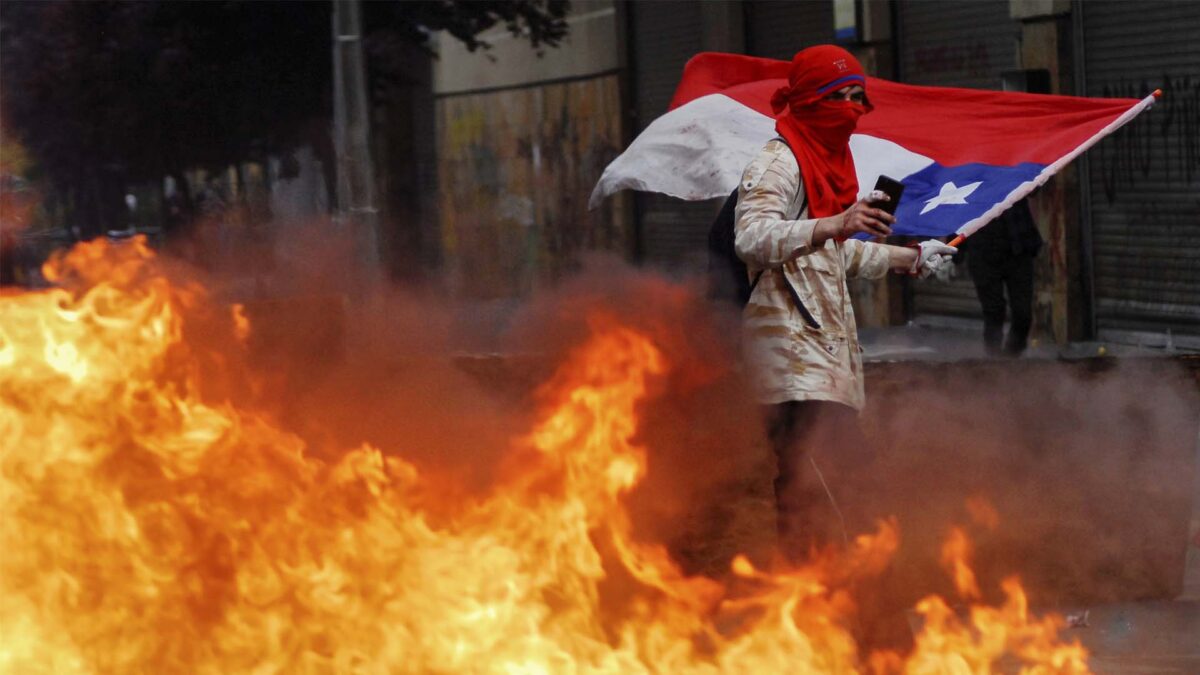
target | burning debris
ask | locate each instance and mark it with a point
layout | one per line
(152, 521)
(1079, 619)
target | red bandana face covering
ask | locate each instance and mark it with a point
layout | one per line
(817, 130)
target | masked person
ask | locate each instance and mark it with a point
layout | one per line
(796, 211)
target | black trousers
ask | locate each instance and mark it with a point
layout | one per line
(994, 272)
(807, 519)
(810, 512)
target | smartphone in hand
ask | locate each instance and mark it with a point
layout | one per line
(893, 189)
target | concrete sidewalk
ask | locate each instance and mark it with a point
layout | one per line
(1142, 638)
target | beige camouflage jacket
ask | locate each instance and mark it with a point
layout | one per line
(801, 341)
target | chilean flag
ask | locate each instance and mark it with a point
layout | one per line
(964, 155)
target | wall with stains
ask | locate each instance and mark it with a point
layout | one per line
(1058, 308)
(515, 168)
(521, 140)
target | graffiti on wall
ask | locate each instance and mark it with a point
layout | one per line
(515, 169)
(1145, 198)
(1166, 139)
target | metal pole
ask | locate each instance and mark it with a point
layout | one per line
(352, 133)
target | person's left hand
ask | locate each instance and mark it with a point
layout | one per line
(932, 255)
(947, 272)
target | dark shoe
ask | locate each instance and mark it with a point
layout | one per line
(1014, 348)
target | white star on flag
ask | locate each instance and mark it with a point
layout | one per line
(950, 194)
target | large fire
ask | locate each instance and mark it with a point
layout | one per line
(150, 524)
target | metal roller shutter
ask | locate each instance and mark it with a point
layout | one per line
(665, 35)
(778, 29)
(955, 44)
(1144, 181)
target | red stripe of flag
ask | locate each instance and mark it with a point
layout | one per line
(972, 125)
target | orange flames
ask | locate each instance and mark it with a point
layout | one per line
(150, 526)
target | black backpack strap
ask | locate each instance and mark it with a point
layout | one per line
(804, 313)
(804, 202)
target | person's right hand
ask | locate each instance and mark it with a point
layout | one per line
(862, 217)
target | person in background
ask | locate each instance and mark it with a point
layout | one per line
(797, 208)
(1000, 257)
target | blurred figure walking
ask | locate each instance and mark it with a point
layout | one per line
(1000, 257)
